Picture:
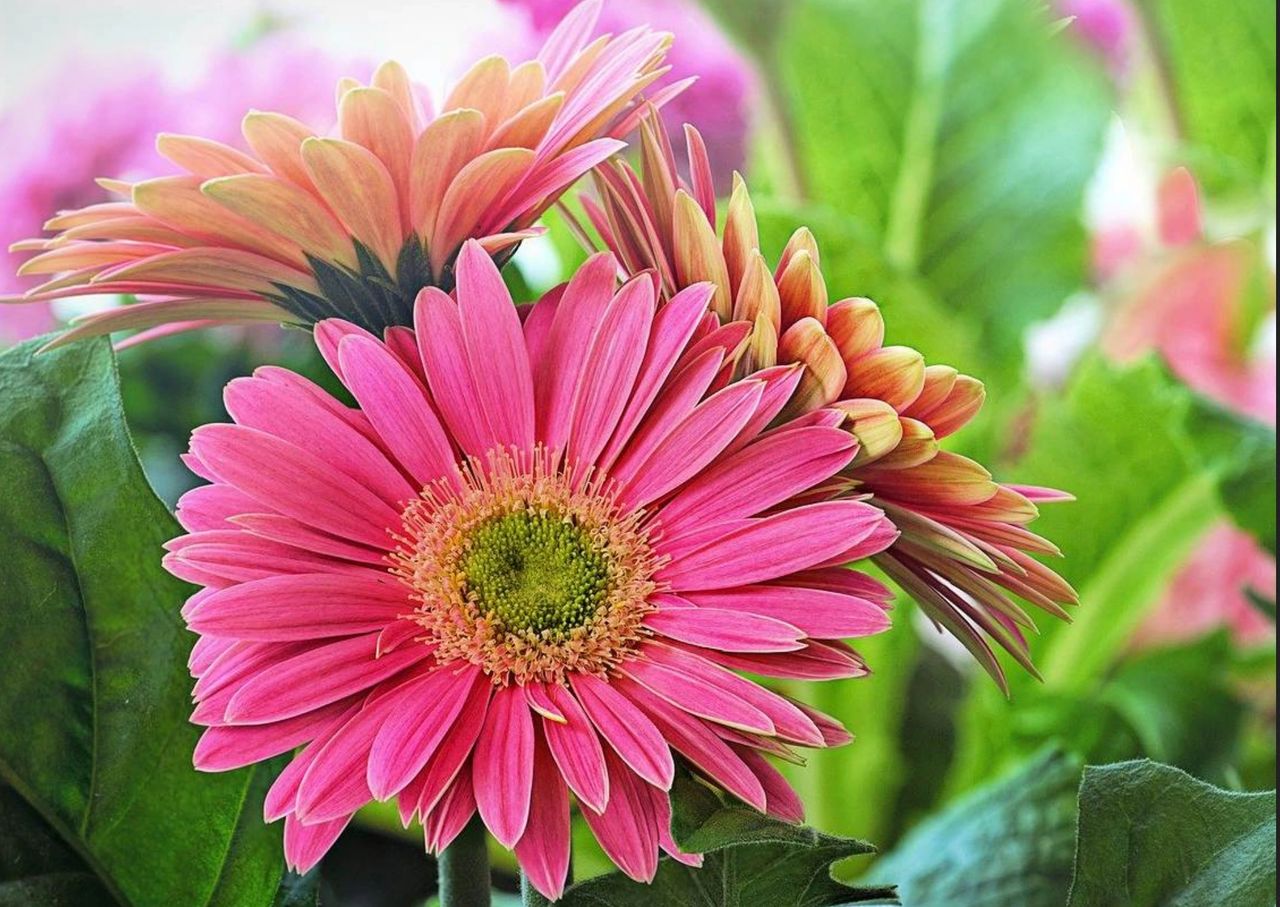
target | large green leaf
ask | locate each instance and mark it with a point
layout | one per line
(94, 697)
(1220, 61)
(750, 859)
(960, 135)
(1008, 844)
(1153, 835)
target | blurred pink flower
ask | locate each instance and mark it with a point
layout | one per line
(718, 103)
(1188, 299)
(1106, 26)
(1208, 593)
(102, 117)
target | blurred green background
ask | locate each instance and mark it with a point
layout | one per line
(1001, 177)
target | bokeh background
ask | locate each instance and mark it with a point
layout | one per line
(1083, 216)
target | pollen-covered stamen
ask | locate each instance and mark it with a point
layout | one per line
(527, 571)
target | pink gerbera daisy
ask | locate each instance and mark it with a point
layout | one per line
(529, 565)
(307, 227)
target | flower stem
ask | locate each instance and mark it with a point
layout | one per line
(464, 869)
(530, 896)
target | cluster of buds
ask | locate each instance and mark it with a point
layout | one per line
(965, 553)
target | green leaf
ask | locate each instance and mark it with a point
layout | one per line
(1246, 451)
(961, 135)
(750, 859)
(1178, 704)
(1120, 440)
(1008, 844)
(94, 706)
(36, 866)
(1220, 60)
(1153, 835)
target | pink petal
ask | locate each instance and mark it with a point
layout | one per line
(628, 828)
(627, 729)
(672, 327)
(774, 546)
(781, 800)
(454, 751)
(495, 349)
(209, 507)
(504, 766)
(444, 356)
(301, 606)
(842, 580)
(699, 745)
(694, 443)
(577, 316)
(675, 402)
(696, 696)
(576, 749)
(760, 476)
(397, 406)
(303, 421)
(287, 531)
(288, 479)
(408, 738)
(817, 613)
(222, 749)
(731, 631)
(543, 849)
(815, 661)
(452, 814)
(335, 782)
(304, 845)
(316, 678)
(610, 370)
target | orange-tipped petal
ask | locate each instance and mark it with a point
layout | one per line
(480, 185)
(526, 84)
(855, 324)
(358, 188)
(529, 126)
(392, 78)
(134, 229)
(917, 446)
(801, 241)
(824, 374)
(894, 374)
(87, 255)
(741, 234)
(946, 480)
(758, 294)
(372, 118)
(875, 424)
(802, 291)
(483, 87)
(962, 404)
(205, 157)
(277, 141)
(284, 208)
(231, 269)
(697, 253)
(762, 346)
(149, 314)
(938, 382)
(443, 149)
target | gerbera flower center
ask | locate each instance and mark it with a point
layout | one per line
(536, 571)
(527, 572)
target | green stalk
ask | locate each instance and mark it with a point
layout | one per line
(464, 869)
